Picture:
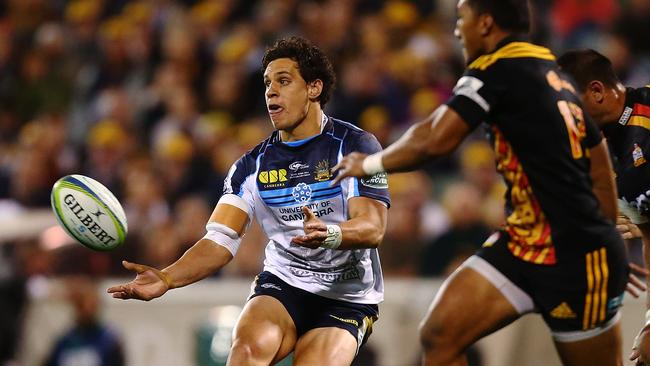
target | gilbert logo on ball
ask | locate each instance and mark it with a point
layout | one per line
(89, 212)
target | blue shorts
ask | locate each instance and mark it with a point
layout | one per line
(310, 311)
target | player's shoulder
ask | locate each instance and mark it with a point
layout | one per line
(643, 94)
(351, 134)
(249, 158)
(509, 55)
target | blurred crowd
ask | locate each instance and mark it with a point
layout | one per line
(157, 98)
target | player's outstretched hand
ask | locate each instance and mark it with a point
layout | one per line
(149, 283)
(315, 231)
(643, 203)
(634, 285)
(626, 228)
(641, 349)
(350, 166)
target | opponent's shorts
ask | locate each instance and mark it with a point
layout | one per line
(310, 311)
(578, 297)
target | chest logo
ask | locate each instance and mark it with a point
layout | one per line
(322, 172)
(273, 176)
(301, 193)
(637, 155)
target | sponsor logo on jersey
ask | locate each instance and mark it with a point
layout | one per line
(301, 193)
(295, 213)
(637, 155)
(625, 117)
(614, 303)
(322, 172)
(297, 165)
(377, 181)
(563, 311)
(273, 178)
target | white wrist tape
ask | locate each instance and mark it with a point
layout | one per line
(334, 237)
(372, 164)
(224, 236)
(647, 318)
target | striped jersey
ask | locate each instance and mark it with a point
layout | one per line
(629, 140)
(541, 138)
(276, 179)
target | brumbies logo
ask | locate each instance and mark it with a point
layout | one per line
(322, 172)
(377, 181)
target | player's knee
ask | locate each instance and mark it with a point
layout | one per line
(434, 337)
(249, 352)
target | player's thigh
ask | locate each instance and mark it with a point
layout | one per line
(266, 326)
(603, 349)
(325, 346)
(467, 307)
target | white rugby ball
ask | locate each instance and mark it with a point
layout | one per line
(89, 212)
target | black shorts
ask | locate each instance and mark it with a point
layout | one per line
(580, 293)
(310, 311)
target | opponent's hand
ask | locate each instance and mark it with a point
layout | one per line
(643, 203)
(626, 228)
(641, 349)
(149, 283)
(350, 166)
(634, 285)
(315, 231)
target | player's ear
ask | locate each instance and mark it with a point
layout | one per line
(314, 89)
(597, 90)
(485, 24)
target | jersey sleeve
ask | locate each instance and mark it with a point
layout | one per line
(475, 94)
(376, 186)
(240, 182)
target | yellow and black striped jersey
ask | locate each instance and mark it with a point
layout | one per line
(542, 139)
(629, 141)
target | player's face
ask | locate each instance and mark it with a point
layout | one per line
(467, 31)
(286, 94)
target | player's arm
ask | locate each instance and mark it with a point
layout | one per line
(364, 229)
(602, 177)
(436, 136)
(224, 230)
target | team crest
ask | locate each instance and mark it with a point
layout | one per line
(637, 155)
(322, 172)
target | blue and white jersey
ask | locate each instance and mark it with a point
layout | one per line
(276, 179)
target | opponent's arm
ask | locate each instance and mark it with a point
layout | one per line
(602, 177)
(364, 229)
(226, 225)
(436, 136)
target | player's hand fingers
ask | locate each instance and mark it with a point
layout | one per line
(315, 226)
(632, 291)
(309, 215)
(338, 166)
(343, 173)
(639, 270)
(636, 282)
(135, 267)
(634, 354)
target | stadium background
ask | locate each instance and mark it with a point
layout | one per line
(156, 98)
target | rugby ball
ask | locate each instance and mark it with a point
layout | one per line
(89, 212)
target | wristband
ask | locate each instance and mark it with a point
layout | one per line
(334, 237)
(165, 277)
(647, 318)
(372, 164)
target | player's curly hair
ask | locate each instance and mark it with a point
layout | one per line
(313, 64)
(510, 15)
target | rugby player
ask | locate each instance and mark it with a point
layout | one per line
(558, 253)
(623, 114)
(319, 292)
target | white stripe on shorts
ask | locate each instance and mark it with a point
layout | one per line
(516, 296)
